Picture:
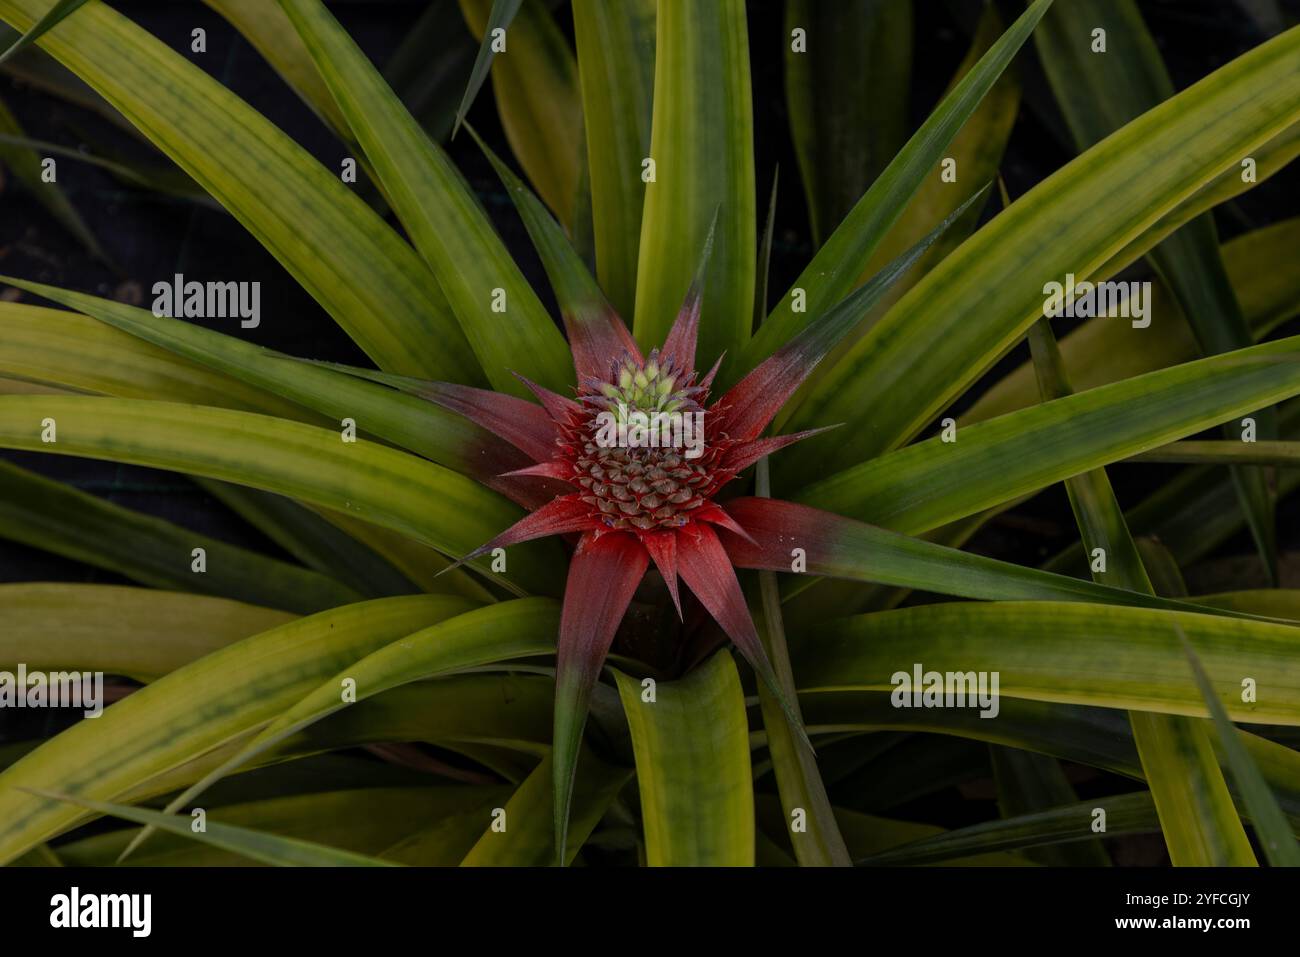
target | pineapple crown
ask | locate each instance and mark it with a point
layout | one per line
(653, 385)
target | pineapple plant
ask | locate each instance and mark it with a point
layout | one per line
(679, 575)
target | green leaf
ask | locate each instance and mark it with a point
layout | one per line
(232, 691)
(18, 387)
(1097, 737)
(75, 352)
(54, 517)
(1100, 351)
(36, 67)
(24, 160)
(257, 845)
(371, 820)
(1270, 823)
(838, 547)
(1271, 157)
(977, 149)
(616, 62)
(503, 11)
(1070, 653)
(1195, 512)
(451, 833)
(765, 254)
(488, 635)
(1029, 783)
(798, 779)
(1092, 499)
(264, 25)
(1096, 103)
(52, 17)
(512, 629)
(431, 86)
(1197, 817)
(702, 144)
(390, 488)
(1270, 602)
(1051, 829)
(412, 423)
(441, 215)
(980, 300)
(1191, 516)
(581, 302)
(536, 85)
(166, 181)
(529, 836)
(1220, 452)
(839, 264)
(137, 632)
(692, 760)
(430, 571)
(314, 541)
(509, 711)
(39, 856)
(931, 483)
(329, 240)
(847, 93)
(867, 834)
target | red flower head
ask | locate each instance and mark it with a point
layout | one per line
(633, 502)
(634, 497)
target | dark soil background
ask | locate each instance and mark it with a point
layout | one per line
(149, 238)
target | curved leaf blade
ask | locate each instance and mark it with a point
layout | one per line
(137, 632)
(1274, 833)
(847, 94)
(702, 144)
(529, 837)
(931, 483)
(692, 758)
(160, 728)
(1199, 822)
(980, 300)
(1061, 652)
(338, 249)
(77, 353)
(390, 488)
(51, 19)
(1096, 103)
(838, 265)
(536, 86)
(439, 435)
(443, 217)
(257, 845)
(616, 57)
(57, 518)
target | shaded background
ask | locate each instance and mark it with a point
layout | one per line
(148, 238)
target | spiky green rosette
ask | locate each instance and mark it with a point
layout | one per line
(643, 487)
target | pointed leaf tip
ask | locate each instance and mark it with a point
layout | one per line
(662, 547)
(603, 576)
(684, 335)
(755, 400)
(708, 572)
(51, 19)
